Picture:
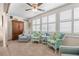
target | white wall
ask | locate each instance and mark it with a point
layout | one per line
(1, 30)
(26, 28)
(9, 29)
(1, 34)
(5, 29)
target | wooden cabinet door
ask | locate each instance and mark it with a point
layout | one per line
(21, 27)
(17, 29)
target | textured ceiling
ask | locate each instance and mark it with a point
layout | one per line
(18, 9)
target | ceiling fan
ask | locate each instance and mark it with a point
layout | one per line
(35, 7)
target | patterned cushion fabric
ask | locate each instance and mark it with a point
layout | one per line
(40, 34)
(36, 34)
(52, 41)
(59, 35)
(62, 34)
(55, 39)
(54, 36)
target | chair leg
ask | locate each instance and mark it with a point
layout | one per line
(59, 53)
(55, 51)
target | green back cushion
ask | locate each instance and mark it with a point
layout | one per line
(62, 35)
(59, 35)
(34, 33)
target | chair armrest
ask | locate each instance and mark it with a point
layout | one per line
(57, 43)
(69, 49)
(20, 35)
(62, 46)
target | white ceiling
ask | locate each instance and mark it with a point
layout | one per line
(18, 9)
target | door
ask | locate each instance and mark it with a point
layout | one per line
(17, 29)
(21, 27)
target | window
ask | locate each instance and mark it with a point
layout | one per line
(36, 25)
(65, 27)
(44, 24)
(52, 23)
(44, 19)
(51, 27)
(34, 21)
(33, 27)
(44, 27)
(76, 20)
(76, 13)
(65, 21)
(66, 15)
(38, 21)
(52, 18)
(76, 27)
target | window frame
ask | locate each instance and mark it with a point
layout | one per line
(66, 20)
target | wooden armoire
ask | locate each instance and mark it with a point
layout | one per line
(17, 29)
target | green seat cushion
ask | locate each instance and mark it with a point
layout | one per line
(51, 41)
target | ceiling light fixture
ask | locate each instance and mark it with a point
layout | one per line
(34, 7)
